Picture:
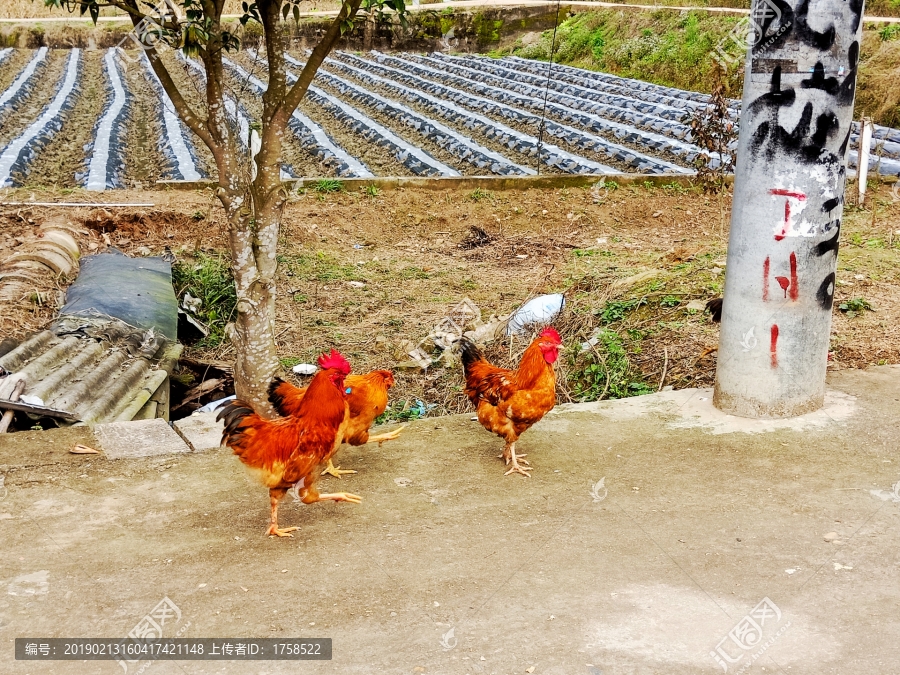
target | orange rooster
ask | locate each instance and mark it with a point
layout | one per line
(367, 397)
(290, 451)
(510, 401)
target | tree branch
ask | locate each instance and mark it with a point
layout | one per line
(115, 4)
(270, 11)
(268, 159)
(348, 11)
(223, 145)
(185, 112)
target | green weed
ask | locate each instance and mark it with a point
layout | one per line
(670, 301)
(615, 310)
(890, 32)
(319, 266)
(674, 50)
(414, 273)
(399, 411)
(675, 188)
(478, 194)
(856, 306)
(328, 185)
(604, 371)
(208, 279)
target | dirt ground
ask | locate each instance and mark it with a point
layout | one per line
(369, 274)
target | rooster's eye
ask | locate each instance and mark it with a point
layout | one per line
(347, 390)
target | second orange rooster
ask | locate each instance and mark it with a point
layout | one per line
(367, 398)
(510, 401)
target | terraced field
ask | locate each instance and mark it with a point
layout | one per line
(100, 119)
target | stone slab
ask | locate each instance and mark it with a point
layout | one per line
(200, 431)
(139, 438)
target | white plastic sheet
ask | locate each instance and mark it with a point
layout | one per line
(98, 168)
(11, 154)
(23, 77)
(185, 162)
(358, 169)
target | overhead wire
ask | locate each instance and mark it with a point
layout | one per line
(547, 89)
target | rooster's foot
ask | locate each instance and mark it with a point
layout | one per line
(274, 531)
(510, 455)
(336, 471)
(389, 436)
(508, 458)
(340, 497)
(517, 468)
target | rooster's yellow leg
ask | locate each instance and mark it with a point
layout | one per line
(336, 471)
(507, 455)
(275, 495)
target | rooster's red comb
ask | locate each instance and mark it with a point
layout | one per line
(551, 333)
(334, 360)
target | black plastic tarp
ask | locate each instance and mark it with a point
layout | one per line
(136, 290)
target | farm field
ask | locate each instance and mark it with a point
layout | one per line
(99, 119)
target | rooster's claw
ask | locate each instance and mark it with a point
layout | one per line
(283, 532)
(520, 469)
(335, 471)
(340, 497)
(389, 436)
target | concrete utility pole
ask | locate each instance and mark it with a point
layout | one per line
(799, 87)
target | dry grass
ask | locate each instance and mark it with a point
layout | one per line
(878, 95)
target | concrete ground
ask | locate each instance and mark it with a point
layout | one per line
(704, 526)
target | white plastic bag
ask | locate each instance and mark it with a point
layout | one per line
(540, 310)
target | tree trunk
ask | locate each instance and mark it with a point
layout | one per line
(254, 340)
(253, 232)
(368, 33)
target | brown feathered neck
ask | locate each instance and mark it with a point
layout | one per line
(375, 376)
(532, 365)
(322, 398)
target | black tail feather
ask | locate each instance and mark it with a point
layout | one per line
(714, 307)
(469, 353)
(276, 399)
(233, 413)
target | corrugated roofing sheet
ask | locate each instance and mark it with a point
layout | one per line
(98, 369)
